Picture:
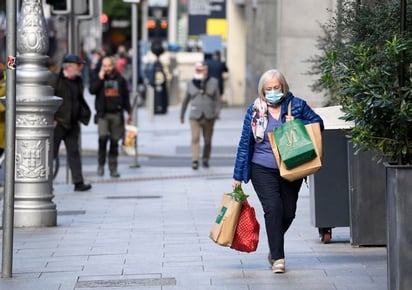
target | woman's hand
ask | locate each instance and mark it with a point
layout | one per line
(129, 120)
(236, 183)
(289, 118)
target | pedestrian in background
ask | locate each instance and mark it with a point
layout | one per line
(123, 65)
(216, 69)
(112, 98)
(204, 96)
(94, 58)
(68, 85)
(255, 160)
(104, 51)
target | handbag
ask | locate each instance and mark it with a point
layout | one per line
(293, 142)
(246, 236)
(304, 169)
(224, 227)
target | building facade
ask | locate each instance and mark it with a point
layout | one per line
(281, 34)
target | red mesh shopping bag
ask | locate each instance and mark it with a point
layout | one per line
(246, 237)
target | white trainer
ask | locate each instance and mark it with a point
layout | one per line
(279, 266)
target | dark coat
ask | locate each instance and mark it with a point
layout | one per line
(63, 115)
(300, 110)
(96, 87)
(216, 68)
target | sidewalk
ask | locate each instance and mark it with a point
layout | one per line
(149, 229)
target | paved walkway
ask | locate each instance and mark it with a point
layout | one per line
(149, 229)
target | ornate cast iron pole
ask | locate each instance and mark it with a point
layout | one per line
(35, 108)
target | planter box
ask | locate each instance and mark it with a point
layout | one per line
(399, 219)
(367, 199)
(329, 197)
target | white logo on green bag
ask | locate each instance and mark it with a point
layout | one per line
(291, 137)
(221, 215)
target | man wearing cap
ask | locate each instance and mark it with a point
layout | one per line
(68, 85)
(204, 95)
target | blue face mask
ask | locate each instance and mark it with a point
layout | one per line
(273, 97)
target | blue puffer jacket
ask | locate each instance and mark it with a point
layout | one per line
(300, 110)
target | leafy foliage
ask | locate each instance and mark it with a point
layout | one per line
(116, 9)
(363, 71)
(352, 24)
(238, 194)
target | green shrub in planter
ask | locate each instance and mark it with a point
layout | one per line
(370, 95)
(365, 80)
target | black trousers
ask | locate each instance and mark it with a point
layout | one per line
(278, 198)
(71, 142)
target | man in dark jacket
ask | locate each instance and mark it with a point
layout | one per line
(112, 98)
(68, 85)
(216, 68)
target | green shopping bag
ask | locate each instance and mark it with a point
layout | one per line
(294, 143)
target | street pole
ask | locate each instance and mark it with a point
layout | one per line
(135, 72)
(172, 29)
(71, 30)
(145, 12)
(135, 75)
(71, 48)
(8, 205)
(135, 48)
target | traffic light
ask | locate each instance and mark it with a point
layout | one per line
(157, 29)
(157, 22)
(104, 20)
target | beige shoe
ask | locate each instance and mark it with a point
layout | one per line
(279, 266)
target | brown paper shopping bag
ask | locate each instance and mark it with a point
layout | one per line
(224, 227)
(304, 169)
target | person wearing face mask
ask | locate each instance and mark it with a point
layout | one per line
(255, 160)
(204, 96)
(68, 85)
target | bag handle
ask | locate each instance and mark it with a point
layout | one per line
(290, 108)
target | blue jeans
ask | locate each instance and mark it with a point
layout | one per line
(278, 198)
